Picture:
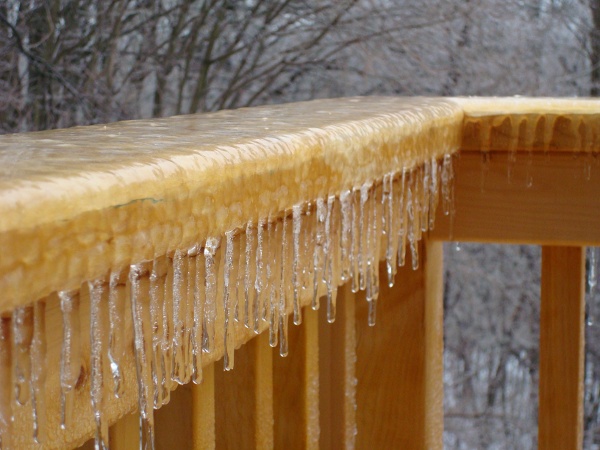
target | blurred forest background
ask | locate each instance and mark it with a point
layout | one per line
(70, 62)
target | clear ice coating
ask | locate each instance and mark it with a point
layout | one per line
(259, 274)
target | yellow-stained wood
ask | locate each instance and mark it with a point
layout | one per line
(337, 374)
(400, 360)
(296, 387)
(125, 433)
(244, 399)
(203, 411)
(559, 208)
(562, 334)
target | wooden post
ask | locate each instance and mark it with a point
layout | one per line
(203, 411)
(337, 378)
(400, 360)
(562, 326)
(125, 434)
(244, 398)
(296, 387)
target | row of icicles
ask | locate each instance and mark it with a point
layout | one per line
(259, 274)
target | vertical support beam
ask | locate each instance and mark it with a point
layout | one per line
(337, 377)
(203, 411)
(562, 326)
(400, 360)
(296, 387)
(125, 434)
(244, 419)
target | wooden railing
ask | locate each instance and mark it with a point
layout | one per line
(113, 204)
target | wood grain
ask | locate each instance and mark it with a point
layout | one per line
(560, 208)
(400, 361)
(562, 335)
(296, 388)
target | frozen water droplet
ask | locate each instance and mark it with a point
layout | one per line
(402, 213)
(592, 270)
(412, 221)
(389, 226)
(70, 358)
(362, 230)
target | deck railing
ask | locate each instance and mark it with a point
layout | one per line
(136, 255)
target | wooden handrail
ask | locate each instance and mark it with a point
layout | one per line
(86, 204)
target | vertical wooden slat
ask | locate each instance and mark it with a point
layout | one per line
(173, 422)
(400, 360)
(562, 334)
(203, 411)
(244, 398)
(337, 378)
(296, 388)
(125, 434)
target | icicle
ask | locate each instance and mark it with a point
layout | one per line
(239, 269)
(168, 328)
(319, 251)
(511, 160)
(139, 283)
(592, 274)
(307, 249)
(447, 185)
(6, 384)
(116, 340)
(228, 289)
(330, 269)
(38, 372)
(160, 375)
(98, 351)
(355, 244)
(346, 236)
(528, 175)
(401, 208)
(412, 217)
(296, 229)
(388, 226)
(188, 318)
(178, 367)
(259, 283)
(249, 273)
(373, 258)
(424, 183)
(283, 284)
(362, 227)
(273, 279)
(70, 358)
(198, 318)
(433, 193)
(210, 306)
(22, 320)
